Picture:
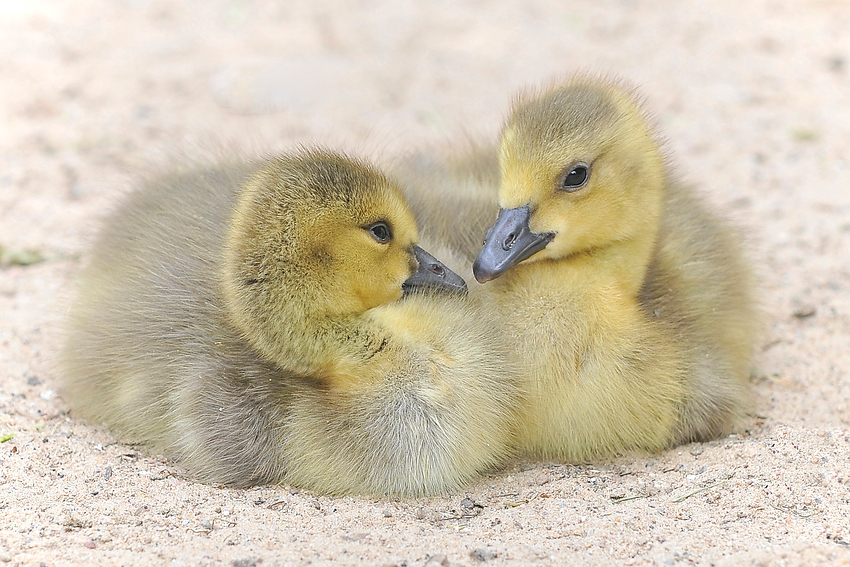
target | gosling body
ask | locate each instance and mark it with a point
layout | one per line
(244, 318)
(629, 302)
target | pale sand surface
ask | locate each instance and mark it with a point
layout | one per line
(755, 100)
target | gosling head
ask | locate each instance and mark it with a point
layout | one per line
(580, 170)
(317, 236)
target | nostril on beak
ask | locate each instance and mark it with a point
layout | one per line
(509, 241)
(438, 270)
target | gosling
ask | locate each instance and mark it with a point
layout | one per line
(274, 321)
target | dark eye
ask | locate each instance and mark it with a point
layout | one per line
(576, 177)
(380, 232)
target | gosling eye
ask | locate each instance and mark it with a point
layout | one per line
(576, 177)
(380, 232)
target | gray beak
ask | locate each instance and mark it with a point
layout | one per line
(432, 275)
(508, 242)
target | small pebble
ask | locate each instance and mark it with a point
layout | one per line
(805, 311)
(696, 450)
(359, 536)
(107, 474)
(89, 544)
(837, 63)
(436, 560)
(543, 478)
(482, 554)
(387, 513)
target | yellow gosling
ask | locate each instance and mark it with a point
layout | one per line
(631, 304)
(276, 321)
(627, 301)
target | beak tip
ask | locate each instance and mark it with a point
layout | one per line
(483, 275)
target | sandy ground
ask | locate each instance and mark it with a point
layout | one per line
(755, 99)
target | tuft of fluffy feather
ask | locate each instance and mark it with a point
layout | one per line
(240, 317)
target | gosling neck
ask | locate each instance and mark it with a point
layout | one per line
(315, 345)
(623, 264)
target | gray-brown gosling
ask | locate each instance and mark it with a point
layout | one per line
(628, 301)
(260, 320)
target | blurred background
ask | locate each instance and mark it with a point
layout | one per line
(113, 79)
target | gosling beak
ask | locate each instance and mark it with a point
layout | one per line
(432, 275)
(508, 242)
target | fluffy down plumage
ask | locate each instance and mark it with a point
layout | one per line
(245, 317)
(629, 304)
